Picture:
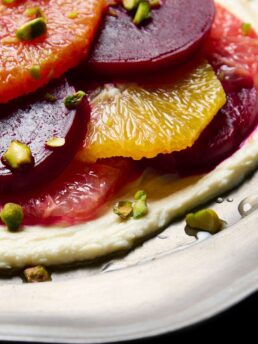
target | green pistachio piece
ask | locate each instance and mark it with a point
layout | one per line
(246, 28)
(140, 209)
(206, 220)
(71, 102)
(55, 142)
(50, 98)
(12, 216)
(140, 195)
(35, 72)
(124, 209)
(130, 5)
(17, 156)
(32, 29)
(143, 12)
(36, 274)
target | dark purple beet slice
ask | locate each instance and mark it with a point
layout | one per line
(175, 31)
(235, 121)
(33, 120)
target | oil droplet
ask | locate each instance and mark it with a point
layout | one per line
(219, 200)
(230, 199)
(248, 205)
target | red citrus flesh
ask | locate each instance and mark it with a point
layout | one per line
(230, 45)
(77, 195)
(33, 121)
(71, 26)
(175, 31)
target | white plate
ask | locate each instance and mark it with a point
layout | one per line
(167, 283)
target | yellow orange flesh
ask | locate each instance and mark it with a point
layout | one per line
(71, 25)
(137, 121)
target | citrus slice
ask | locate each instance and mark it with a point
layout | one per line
(26, 65)
(77, 195)
(133, 120)
(233, 43)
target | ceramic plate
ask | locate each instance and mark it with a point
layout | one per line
(170, 281)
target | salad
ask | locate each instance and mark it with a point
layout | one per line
(100, 102)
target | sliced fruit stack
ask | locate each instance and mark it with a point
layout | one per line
(179, 94)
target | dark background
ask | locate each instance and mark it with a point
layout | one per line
(240, 321)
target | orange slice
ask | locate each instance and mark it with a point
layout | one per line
(26, 66)
(133, 120)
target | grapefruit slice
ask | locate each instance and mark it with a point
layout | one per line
(176, 30)
(232, 45)
(27, 65)
(77, 195)
(33, 120)
(137, 120)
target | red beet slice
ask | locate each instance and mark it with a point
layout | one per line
(33, 120)
(235, 121)
(175, 31)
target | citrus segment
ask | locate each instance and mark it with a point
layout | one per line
(65, 43)
(135, 120)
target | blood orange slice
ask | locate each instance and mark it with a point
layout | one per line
(27, 65)
(231, 44)
(77, 195)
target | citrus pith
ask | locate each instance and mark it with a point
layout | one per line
(65, 43)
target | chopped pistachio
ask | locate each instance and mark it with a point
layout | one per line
(55, 142)
(155, 3)
(140, 209)
(32, 29)
(35, 72)
(36, 274)
(143, 12)
(50, 98)
(72, 15)
(246, 28)
(34, 12)
(12, 216)
(124, 209)
(130, 5)
(206, 220)
(17, 156)
(71, 102)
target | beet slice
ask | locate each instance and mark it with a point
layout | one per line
(224, 135)
(33, 120)
(175, 31)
